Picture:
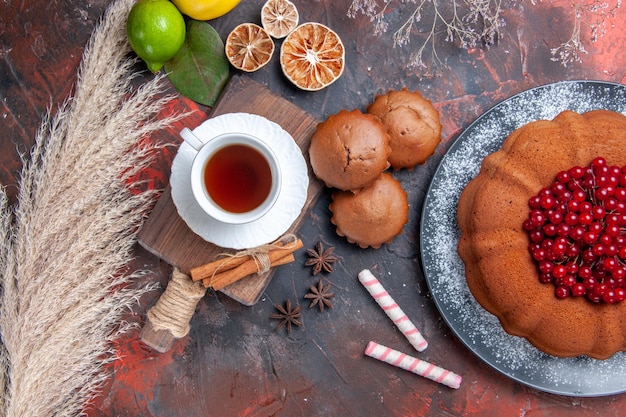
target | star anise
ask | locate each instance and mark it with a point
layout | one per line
(320, 295)
(320, 259)
(287, 315)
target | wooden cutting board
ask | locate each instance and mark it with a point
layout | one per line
(167, 235)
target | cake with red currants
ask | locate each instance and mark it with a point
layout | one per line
(543, 234)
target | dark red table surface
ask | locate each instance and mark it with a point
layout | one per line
(234, 362)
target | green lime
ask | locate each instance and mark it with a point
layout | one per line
(156, 31)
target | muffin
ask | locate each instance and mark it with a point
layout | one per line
(413, 125)
(349, 150)
(374, 216)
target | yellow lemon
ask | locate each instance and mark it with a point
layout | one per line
(156, 31)
(205, 9)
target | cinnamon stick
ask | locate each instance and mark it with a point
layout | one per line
(220, 273)
(221, 280)
(215, 267)
(221, 265)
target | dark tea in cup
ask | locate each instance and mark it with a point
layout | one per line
(238, 178)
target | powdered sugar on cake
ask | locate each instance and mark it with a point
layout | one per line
(444, 270)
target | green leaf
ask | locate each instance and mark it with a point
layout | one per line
(200, 69)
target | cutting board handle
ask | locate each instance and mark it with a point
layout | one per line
(168, 320)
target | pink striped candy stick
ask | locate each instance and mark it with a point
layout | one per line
(409, 363)
(394, 312)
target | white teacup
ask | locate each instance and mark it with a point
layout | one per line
(235, 177)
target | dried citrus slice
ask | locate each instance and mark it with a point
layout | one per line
(249, 47)
(312, 56)
(279, 17)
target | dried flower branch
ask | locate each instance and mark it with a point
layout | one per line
(472, 23)
(469, 23)
(594, 16)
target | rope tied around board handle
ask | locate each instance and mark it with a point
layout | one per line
(175, 307)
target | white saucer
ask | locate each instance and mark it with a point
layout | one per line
(286, 209)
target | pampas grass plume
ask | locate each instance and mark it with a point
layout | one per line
(66, 243)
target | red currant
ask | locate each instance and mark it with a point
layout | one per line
(559, 271)
(578, 290)
(577, 172)
(561, 291)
